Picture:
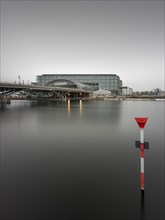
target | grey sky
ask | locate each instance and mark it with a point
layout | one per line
(121, 37)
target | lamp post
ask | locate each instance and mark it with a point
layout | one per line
(19, 78)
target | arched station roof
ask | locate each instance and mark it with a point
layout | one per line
(65, 83)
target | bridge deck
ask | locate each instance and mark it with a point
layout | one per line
(4, 86)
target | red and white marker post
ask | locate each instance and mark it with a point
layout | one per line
(142, 145)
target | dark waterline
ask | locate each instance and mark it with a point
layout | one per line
(81, 162)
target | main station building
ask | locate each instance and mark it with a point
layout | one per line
(110, 82)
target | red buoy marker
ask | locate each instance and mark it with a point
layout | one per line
(142, 145)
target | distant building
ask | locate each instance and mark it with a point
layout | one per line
(110, 82)
(126, 90)
(157, 91)
(102, 93)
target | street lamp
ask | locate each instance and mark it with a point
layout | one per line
(19, 78)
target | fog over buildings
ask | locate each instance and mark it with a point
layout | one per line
(115, 37)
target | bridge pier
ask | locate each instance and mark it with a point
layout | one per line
(4, 101)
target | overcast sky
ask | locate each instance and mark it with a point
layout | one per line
(120, 37)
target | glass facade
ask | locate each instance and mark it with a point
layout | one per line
(110, 82)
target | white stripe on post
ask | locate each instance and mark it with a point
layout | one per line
(141, 135)
(142, 164)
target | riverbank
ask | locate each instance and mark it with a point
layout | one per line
(5, 101)
(124, 98)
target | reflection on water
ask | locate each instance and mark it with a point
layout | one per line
(80, 107)
(86, 167)
(142, 205)
(68, 105)
(68, 108)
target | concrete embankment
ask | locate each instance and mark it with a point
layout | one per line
(124, 98)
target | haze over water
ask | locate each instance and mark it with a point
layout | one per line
(81, 162)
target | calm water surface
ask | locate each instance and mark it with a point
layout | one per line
(80, 162)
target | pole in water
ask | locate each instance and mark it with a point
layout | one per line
(142, 145)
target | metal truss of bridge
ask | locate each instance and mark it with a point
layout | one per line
(57, 90)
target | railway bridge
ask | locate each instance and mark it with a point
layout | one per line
(48, 92)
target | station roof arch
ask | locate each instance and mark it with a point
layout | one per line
(65, 83)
